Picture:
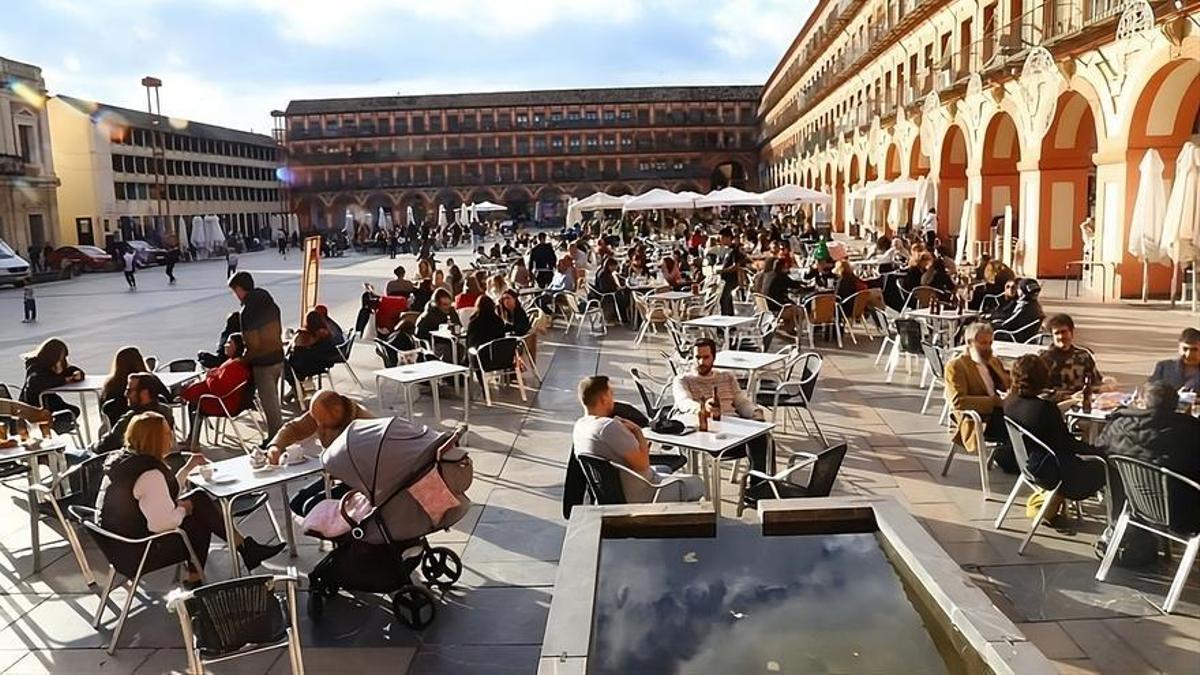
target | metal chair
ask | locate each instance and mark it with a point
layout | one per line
(935, 361)
(794, 393)
(920, 296)
(763, 331)
(343, 351)
(503, 351)
(583, 310)
(823, 311)
(239, 617)
(1041, 340)
(854, 310)
(910, 334)
(178, 366)
(77, 486)
(1015, 334)
(825, 466)
(983, 453)
(1148, 494)
(653, 392)
(595, 294)
(109, 542)
(603, 478)
(652, 316)
(228, 418)
(1019, 436)
(890, 337)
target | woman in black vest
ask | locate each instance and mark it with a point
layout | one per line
(140, 496)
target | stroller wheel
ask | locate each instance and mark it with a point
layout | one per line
(441, 567)
(316, 605)
(415, 606)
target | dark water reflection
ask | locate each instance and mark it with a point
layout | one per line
(744, 603)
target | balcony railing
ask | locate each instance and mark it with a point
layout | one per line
(12, 165)
(565, 175)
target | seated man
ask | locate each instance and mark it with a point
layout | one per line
(399, 286)
(604, 435)
(1070, 365)
(438, 311)
(695, 388)
(1183, 372)
(329, 413)
(1159, 435)
(139, 393)
(974, 380)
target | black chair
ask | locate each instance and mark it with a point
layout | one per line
(652, 401)
(239, 617)
(825, 466)
(603, 478)
(498, 358)
(178, 366)
(113, 546)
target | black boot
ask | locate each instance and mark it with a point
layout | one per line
(254, 553)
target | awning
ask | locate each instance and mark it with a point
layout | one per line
(488, 207)
(729, 196)
(794, 194)
(600, 201)
(658, 198)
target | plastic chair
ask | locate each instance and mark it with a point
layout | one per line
(1148, 491)
(108, 542)
(647, 386)
(343, 351)
(825, 466)
(502, 351)
(982, 453)
(935, 361)
(239, 617)
(823, 310)
(603, 478)
(1019, 436)
(795, 393)
(920, 296)
(652, 316)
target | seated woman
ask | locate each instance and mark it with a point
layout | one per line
(496, 287)
(996, 276)
(470, 294)
(126, 361)
(938, 276)
(519, 276)
(670, 274)
(403, 339)
(778, 286)
(1079, 479)
(848, 284)
(233, 324)
(312, 350)
(608, 282)
(47, 368)
(422, 295)
(485, 326)
(516, 321)
(139, 496)
(1026, 317)
(224, 382)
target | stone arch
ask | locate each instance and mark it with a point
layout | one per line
(918, 161)
(449, 197)
(342, 203)
(619, 190)
(583, 190)
(311, 212)
(891, 165)
(687, 185)
(376, 201)
(420, 204)
(1067, 187)
(1001, 179)
(728, 172)
(481, 195)
(519, 201)
(952, 189)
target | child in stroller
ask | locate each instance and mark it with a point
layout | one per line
(405, 482)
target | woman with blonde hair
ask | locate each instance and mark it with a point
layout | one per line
(139, 497)
(496, 286)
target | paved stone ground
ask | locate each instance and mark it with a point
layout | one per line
(510, 541)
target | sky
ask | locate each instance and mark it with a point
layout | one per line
(231, 62)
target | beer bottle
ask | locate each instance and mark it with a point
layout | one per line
(702, 417)
(716, 412)
(1086, 404)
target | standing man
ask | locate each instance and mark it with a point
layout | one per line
(130, 267)
(731, 269)
(171, 258)
(929, 227)
(231, 262)
(263, 332)
(542, 261)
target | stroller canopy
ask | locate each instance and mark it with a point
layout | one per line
(379, 457)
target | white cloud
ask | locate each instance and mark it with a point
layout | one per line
(746, 28)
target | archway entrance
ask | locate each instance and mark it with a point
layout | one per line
(1166, 117)
(726, 174)
(1001, 180)
(1068, 186)
(952, 183)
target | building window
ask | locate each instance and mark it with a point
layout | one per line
(592, 142)
(610, 142)
(556, 117)
(626, 115)
(591, 116)
(573, 116)
(522, 119)
(28, 143)
(556, 142)
(610, 115)
(678, 166)
(575, 143)
(626, 141)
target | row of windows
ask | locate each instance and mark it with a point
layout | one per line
(179, 167)
(184, 143)
(420, 122)
(490, 173)
(196, 193)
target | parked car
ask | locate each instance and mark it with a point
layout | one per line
(145, 254)
(13, 268)
(87, 258)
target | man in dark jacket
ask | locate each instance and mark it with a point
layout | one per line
(1183, 372)
(139, 393)
(262, 330)
(542, 261)
(1161, 436)
(440, 310)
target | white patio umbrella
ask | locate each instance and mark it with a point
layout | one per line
(1181, 220)
(893, 215)
(464, 214)
(658, 198)
(966, 235)
(923, 200)
(275, 222)
(574, 215)
(600, 201)
(408, 216)
(199, 235)
(472, 214)
(442, 220)
(729, 196)
(487, 207)
(1145, 232)
(795, 194)
(293, 223)
(215, 235)
(181, 234)
(381, 220)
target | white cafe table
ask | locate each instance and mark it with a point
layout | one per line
(752, 363)
(729, 433)
(723, 323)
(408, 376)
(30, 453)
(946, 322)
(246, 480)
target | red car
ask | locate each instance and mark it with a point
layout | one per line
(89, 258)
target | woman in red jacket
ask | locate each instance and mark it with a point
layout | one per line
(222, 381)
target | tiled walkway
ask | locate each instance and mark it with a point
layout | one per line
(510, 542)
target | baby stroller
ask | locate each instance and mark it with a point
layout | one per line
(405, 482)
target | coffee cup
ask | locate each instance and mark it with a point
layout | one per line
(206, 471)
(294, 455)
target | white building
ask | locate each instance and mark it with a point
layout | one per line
(111, 188)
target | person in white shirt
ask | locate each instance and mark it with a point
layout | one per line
(139, 496)
(130, 259)
(929, 226)
(601, 433)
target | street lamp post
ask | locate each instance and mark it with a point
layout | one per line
(159, 152)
